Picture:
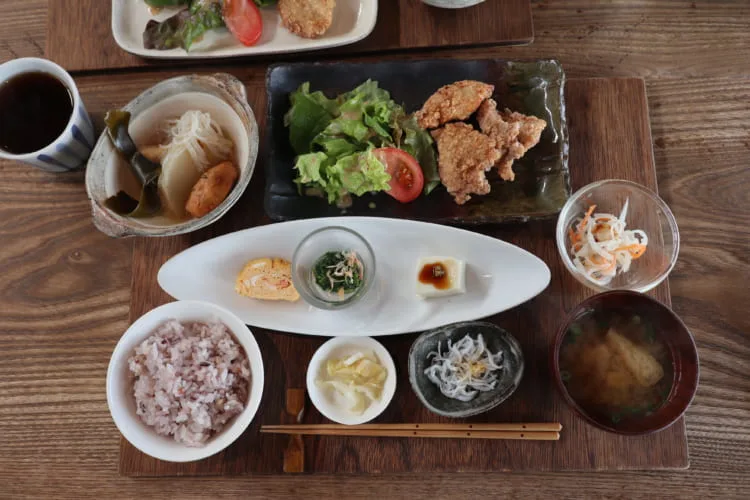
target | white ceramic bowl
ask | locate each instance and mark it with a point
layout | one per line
(339, 347)
(120, 385)
(224, 97)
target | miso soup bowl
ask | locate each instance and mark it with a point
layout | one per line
(680, 346)
(224, 97)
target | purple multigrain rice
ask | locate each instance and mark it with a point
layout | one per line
(190, 380)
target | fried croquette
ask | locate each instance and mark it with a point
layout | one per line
(307, 18)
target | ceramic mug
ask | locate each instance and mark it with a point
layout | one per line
(72, 148)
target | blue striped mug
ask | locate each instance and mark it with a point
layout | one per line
(73, 146)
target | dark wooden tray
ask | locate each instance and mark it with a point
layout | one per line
(79, 33)
(609, 137)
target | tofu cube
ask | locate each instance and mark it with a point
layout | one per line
(455, 283)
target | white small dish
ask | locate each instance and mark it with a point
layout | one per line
(353, 20)
(499, 276)
(121, 400)
(324, 399)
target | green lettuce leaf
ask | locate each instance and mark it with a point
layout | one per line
(418, 143)
(351, 127)
(308, 116)
(185, 27)
(360, 173)
(336, 147)
(310, 169)
(355, 174)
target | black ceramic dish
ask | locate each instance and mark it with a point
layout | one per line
(536, 87)
(495, 338)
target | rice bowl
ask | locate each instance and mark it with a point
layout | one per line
(189, 380)
(205, 437)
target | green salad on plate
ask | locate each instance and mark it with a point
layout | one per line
(361, 141)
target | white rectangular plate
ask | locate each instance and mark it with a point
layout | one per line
(353, 20)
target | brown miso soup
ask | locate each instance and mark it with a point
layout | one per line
(35, 108)
(615, 364)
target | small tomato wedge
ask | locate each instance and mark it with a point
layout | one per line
(407, 179)
(243, 20)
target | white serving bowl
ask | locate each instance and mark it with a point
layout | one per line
(339, 347)
(121, 400)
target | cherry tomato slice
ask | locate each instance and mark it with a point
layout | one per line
(407, 179)
(244, 20)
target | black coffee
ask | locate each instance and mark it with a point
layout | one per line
(34, 110)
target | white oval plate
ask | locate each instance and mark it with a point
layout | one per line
(499, 276)
(353, 20)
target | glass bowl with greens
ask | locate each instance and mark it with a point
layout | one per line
(333, 267)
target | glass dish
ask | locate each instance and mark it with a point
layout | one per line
(646, 211)
(317, 244)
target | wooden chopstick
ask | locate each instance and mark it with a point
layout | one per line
(530, 427)
(533, 432)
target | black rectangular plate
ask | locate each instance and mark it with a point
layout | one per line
(531, 87)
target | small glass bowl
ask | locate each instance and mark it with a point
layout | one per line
(646, 211)
(314, 246)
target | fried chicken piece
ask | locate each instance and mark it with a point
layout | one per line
(514, 133)
(456, 101)
(307, 18)
(464, 155)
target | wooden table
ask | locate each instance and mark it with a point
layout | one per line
(64, 287)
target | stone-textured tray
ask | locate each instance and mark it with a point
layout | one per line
(533, 87)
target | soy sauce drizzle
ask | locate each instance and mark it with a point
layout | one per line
(435, 274)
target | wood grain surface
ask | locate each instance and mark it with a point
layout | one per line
(609, 138)
(402, 24)
(64, 288)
